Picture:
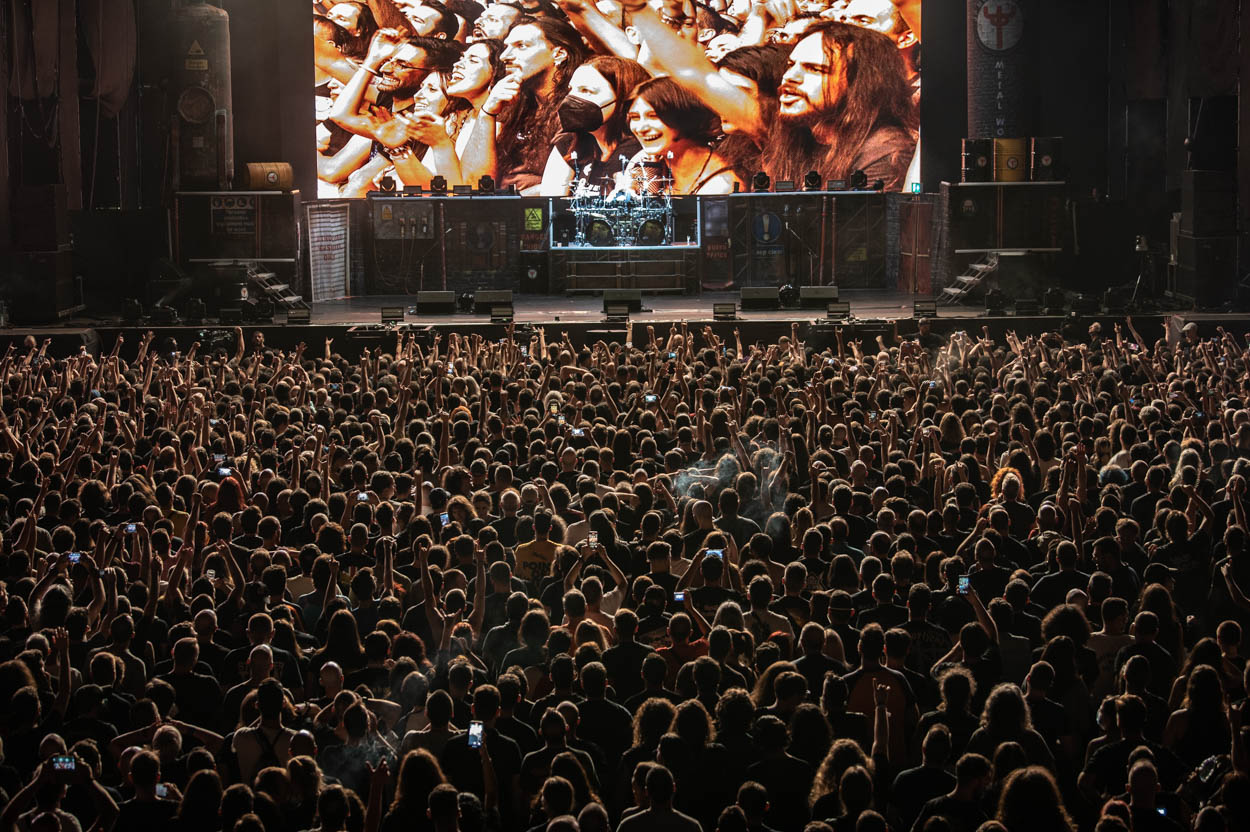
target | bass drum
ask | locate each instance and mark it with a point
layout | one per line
(650, 233)
(599, 233)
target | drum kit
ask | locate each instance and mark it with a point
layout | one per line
(625, 217)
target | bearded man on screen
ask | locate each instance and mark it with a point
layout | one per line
(845, 105)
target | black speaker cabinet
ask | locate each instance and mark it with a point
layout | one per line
(534, 273)
(40, 218)
(42, 287)
(1208, 203)
(973, 214)
(236, 225)
(1207, 269)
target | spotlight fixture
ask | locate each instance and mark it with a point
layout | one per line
(858, 181)
(996, 302)
(464, 303)
(387, 184)
(878, 185)
(1053, 301)
(438, 185)
(789, 295)
(812, 181)
(486, 185)
(761, 182)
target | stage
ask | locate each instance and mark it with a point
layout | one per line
(355, 323)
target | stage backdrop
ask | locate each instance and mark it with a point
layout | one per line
(573, 96)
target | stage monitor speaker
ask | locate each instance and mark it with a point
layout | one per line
(436, 303)
(40, 218)
(618, 297)
(42, 288)
(1208, 203)
(759, 297)
(1045, 159)
(535, 277)
(978, 155)
(817, 297)
(1207, 269)
(485, 299)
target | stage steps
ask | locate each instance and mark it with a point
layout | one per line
(268, 285)
(974, 276)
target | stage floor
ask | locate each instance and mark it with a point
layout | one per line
(585, 309)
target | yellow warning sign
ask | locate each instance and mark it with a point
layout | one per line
(195, 49)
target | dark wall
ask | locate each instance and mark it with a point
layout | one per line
(944, 92)
(1071, 91)
(271, 49)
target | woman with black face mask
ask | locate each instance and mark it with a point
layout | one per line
(593, 134)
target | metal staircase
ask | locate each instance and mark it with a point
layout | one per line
(266, 284)
(975, 275)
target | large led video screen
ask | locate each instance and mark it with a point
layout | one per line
(576, 96)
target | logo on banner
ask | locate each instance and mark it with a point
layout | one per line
(1000, 24)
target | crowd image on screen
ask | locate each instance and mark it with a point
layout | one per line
(681, 582)
(554, 97)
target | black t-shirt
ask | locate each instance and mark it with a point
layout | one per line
(963, 815)
(915, 787)
(145, 814)
(463, 765)
(591, 163)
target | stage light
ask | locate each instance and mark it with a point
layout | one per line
(196, 311)
(164, 316)
(878, 185)
(761, 182)
(438, 185)
(812, 181)
(132, 310)
(996, 302)
(1054, 300)
(789, 295)
(465, 302)
(486, 185)
(858, 181)
(387, 184)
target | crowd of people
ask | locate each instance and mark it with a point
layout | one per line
(556, 96)
(939, 584)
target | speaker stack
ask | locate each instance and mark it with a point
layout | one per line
(43, 288)
(1206, 247)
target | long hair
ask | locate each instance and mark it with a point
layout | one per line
(528, 126)
(680, 109)
(1031, 803)
(355, 46)
(765, 64)
(419, 773)
(623, 75)
(876, 97)
(494, 48)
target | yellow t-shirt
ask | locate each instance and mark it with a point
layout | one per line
(534, 559)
